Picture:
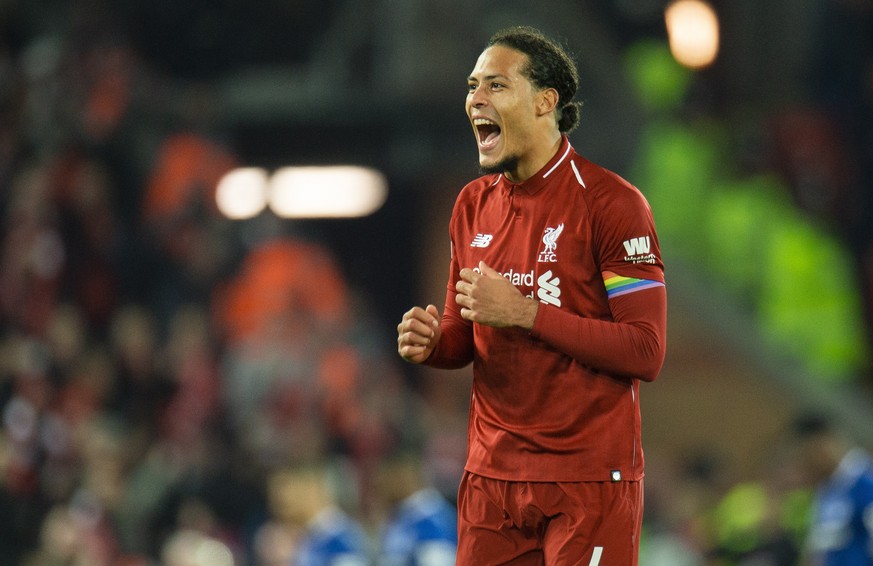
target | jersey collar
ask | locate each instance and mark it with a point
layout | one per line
(539, 180)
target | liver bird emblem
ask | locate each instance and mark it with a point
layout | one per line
(550, 238)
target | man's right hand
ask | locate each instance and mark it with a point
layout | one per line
(418, 333)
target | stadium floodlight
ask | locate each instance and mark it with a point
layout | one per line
(342, 191)
(242, 193)
(693, 32)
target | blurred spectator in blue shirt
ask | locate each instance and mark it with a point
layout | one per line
(302, 502)
(421, 528)
(841, 533)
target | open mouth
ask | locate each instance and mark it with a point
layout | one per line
(488, 133)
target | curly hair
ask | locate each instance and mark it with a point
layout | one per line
(549, 66)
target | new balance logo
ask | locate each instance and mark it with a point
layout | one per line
(637, 246)
(482, 241)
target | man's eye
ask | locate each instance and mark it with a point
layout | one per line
(471, 87)
(496, 86)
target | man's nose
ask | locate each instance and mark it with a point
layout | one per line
(477, 98)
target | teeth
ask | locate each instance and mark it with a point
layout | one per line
(483, 122)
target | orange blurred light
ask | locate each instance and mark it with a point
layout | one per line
(242, 193)
(320, 192)
(692, 28)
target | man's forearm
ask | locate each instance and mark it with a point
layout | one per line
(632, 344)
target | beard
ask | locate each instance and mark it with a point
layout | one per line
(507, 165)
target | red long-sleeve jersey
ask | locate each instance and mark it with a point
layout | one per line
(561, 402)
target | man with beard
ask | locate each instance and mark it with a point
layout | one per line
(556, 296)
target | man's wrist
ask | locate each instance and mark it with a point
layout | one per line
(529, 313)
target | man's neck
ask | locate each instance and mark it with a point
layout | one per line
(536, 159)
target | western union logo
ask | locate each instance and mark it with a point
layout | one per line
(638, 246)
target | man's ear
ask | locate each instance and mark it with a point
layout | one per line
(547, 101)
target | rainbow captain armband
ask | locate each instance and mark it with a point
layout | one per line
(616, 285)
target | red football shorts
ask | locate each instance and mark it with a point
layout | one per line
(548, 524)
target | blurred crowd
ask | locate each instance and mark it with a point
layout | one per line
(176, 391)
(164, 379)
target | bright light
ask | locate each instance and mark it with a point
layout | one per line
(242, 193)
(340, 191)
(192, 548)
(692, 26)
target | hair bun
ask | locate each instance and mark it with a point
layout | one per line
(570, 114)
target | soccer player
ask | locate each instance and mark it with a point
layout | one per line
(841, 533)
(556, 295)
